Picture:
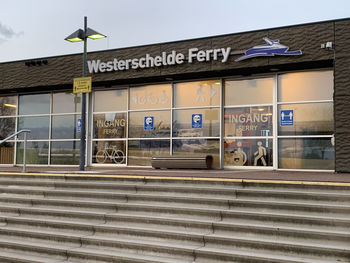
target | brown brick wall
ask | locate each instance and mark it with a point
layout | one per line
(342, 96)
(61, 70)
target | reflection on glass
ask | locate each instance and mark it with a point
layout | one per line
(34, 104)
(310, 153)
(110, 125)
(198, 147)
(109, 152)
(150, 97)
(197, 94)
(251, 91)
(8, 105)
(160, 125)
(248, 152)
(66, 102)
(66, 153)
(248, 121)
(37, 153)
(65, 127)
(110, 100)
(7, 127)
(7, 153)
(38, 126)
(141, 152)
(305, 86)
(183, 123)
(308, 119)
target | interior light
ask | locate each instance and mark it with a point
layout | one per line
(261, 109)
(10, 105)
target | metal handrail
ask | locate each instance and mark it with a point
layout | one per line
(25, 144)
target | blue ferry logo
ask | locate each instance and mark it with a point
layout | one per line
(271, 48)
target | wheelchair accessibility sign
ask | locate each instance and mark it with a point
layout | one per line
(286, 118)
(148, 123)
(196, 121)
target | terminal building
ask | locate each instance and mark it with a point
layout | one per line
(267, 99)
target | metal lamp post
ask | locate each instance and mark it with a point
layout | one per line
(78, 36)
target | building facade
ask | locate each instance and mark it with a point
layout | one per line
(267, 99)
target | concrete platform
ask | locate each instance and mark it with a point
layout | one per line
(303, 176)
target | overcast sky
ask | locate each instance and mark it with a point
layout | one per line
(37, 28)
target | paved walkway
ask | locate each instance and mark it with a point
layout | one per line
(229, 174)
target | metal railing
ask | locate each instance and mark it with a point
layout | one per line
(25, 144)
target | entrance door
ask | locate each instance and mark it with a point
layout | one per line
(248, 123)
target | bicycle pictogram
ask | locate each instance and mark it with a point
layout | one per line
(112, 153)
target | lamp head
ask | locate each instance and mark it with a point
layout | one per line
(77, 36)
(92, 34)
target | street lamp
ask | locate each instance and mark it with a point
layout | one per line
(78, 36)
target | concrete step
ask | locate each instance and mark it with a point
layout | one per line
(182, 225)
(16, 257)
(104, 233)
(212, 242)
(59, 208)
(89, 219)
(290, 207)
(89, 253)
(189, 212)
(210, 255)
(191, 182)
(316, 207)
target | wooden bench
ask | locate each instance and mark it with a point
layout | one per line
(182, 162)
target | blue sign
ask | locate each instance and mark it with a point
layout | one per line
(271, 48)
(79, 125)
(286, 118)
(148, 123)
(196, 121)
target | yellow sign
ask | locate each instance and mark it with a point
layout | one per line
(82, 85)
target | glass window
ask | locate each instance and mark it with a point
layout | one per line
(306, 153)
(34, 104)
(198, 147)
(7, 153)
(66, 153)
(66, 102)
(183, 123)
(305, 86)
(7, 127)
(8, 105)
(110, 125)
(37, 152)
(161, 124)
(65, 127)
(248, 121)
(197, 94)
(251, 91)
(308, 119)
(248, 152)
(111, 100)
(38, 126)
(109, 152)
(150, 97)
(141, 152)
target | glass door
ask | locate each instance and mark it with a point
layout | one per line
(248, 123)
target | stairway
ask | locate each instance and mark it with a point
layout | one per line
(63, 219)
